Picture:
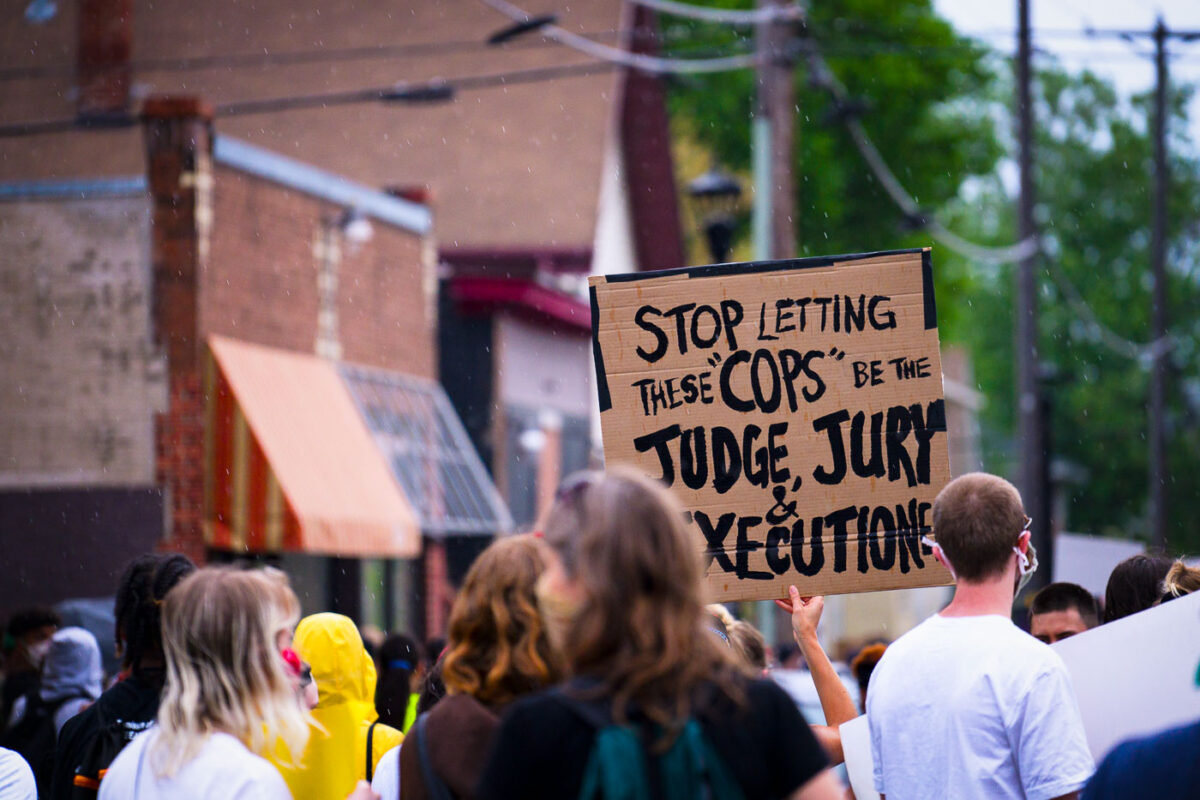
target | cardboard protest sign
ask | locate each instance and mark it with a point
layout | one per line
(795, 407)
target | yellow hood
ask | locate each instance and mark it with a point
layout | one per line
(336, 756)
(343, 670)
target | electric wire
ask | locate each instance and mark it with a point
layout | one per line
(1146, 353)
(289, 57)
(231, 61)
(824, 77)
(640, 61)
(608, 57)
(427, 91)
(724, 15)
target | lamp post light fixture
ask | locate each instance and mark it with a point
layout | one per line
(716, 195)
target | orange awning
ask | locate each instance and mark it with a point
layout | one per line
(291, 466)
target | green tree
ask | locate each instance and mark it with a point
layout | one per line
(925, 90)
(938, 108)
(1094, 168)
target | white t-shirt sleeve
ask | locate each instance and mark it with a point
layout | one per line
(387, 775)
(16, 778)
(1050, 747)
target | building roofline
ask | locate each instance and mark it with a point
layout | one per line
(271, 166)
(74, 188)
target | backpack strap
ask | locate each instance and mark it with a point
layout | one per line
(693, 768)
(434, 786)
(616, 768)
(596, 713)
(370, 750)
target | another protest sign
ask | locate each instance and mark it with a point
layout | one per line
(796, 409)
(1136, 675)
(860, 763)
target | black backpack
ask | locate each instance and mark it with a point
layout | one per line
(111, 739)
(34, 736)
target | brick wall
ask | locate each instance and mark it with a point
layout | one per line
(260, 284)
(386, 305)
(179, 459)
(240, 256)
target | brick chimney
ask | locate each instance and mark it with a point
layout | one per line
(102, 70)
(178, 141)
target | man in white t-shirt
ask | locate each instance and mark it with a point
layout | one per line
(966, 705)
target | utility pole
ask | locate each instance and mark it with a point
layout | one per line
(1157, 420)
(1031, 432)
(773, 138)
(773, 142)
(1158, 262)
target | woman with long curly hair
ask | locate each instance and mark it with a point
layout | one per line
(497, 652)
(228, 695)
(622, 594)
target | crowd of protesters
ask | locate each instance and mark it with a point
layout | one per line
(579, 662)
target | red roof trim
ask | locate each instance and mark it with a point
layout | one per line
(529, 299)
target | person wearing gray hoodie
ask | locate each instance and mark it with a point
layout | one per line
(72, 679)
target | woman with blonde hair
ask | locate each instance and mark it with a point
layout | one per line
(228, 695)
(497, 652)
(655, 704)
(1181, 580)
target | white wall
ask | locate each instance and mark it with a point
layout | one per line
(540, 368)
(613, 250)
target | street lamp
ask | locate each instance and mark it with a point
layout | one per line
(716, 195)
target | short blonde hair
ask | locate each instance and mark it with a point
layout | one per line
(1181, 579)
(224, 672)
(750, 644)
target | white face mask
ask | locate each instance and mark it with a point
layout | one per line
(37, 652)
(940, 553)
(1026, 564)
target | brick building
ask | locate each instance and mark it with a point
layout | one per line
(555, 166)
(132, 332)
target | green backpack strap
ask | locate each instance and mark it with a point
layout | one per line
(616, 768)
(693, 769)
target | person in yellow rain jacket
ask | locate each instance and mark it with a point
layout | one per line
(352, 741)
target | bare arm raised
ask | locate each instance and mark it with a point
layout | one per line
(836, 702)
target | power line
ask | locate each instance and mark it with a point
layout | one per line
(430, 91)
(1106, 335)
(615, 55)
(1010, 254)
(723, 15)
(823, 76)
(286, 57)
(457, 46)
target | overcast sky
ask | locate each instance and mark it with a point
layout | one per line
(1059, 27)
